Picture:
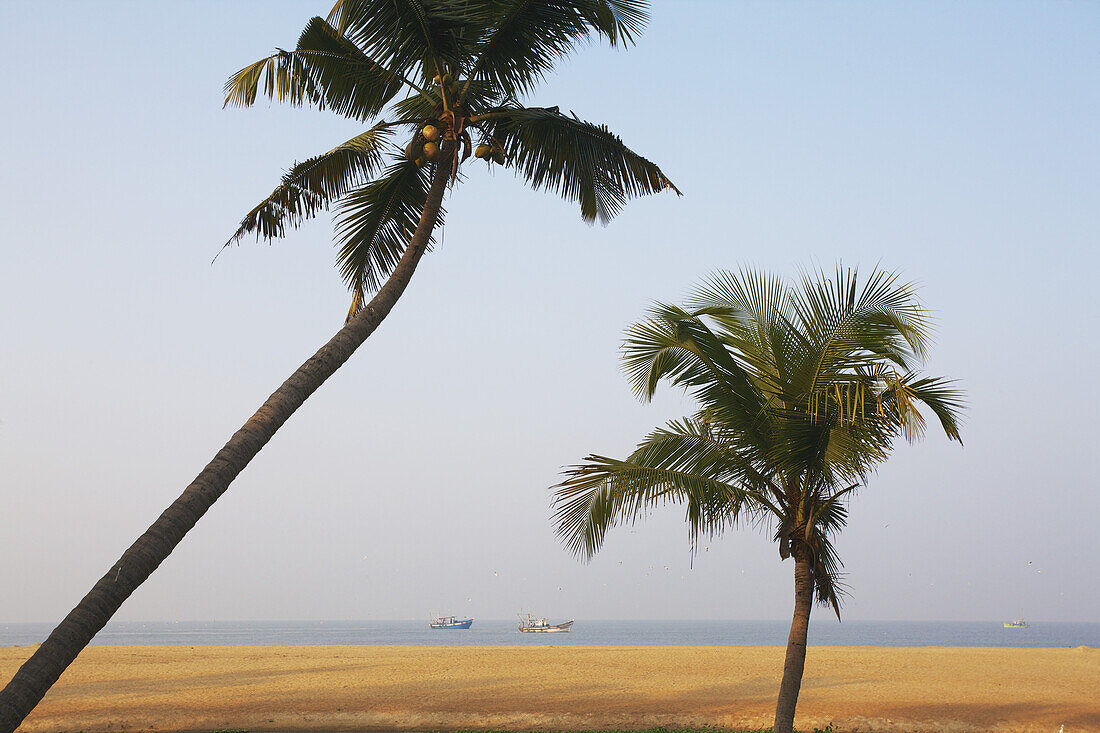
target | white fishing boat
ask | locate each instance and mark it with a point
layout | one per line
(1016, 624)
(534, 625)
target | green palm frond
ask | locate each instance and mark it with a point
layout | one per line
(691, 445)
(602, 492)
(325, 70)
(405, 34)
(681, 463)
(752, 313)
(581, 161)
(830, 513)
(652, 351)
(746, 297)
(480, 97)
(527, 37)
(374, 224)
(617, 20)
(940, 395)
(851, 451)
(677, 346)
(846, 326)
(310, 185)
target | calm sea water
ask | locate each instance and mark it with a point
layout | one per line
(672, 633)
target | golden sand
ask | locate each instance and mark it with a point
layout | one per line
(329, 688)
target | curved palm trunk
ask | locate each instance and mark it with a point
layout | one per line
(795, 661)
(38, 673)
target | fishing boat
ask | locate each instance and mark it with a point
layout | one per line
(1016, 624)
(531, 625)
(450, 622)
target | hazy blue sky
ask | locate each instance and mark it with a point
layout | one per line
(957, 142)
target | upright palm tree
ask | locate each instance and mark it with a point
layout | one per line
(449, 74)
(801, 391)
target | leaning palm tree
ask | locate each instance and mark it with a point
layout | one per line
(436, 82)
(801, 392)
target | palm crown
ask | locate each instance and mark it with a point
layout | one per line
(801, 391)
(450, 75)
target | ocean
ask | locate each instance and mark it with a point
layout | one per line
(824, 632)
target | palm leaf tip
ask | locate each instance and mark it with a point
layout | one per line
(581, 161)
(582, 510)
(619, 21)
(325, 70)
(308, 187)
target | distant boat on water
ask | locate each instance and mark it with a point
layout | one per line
(451, 622)
(531, 625)
(1016, 624)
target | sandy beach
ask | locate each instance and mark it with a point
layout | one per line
(328, 688)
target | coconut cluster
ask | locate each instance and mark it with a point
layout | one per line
(490, 153)
(425, 145)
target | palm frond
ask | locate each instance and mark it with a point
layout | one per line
(309, 186)
(527, 37)
(679, 347)
(692, 445)
(601, 492)
(751, 311)
(581, 161)
(941, 396)
(404, 34)
(846, 326)
(326, 70)
(374, 224)
(479, 97)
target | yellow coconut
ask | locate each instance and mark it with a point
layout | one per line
(431, 133)
(431, 151)
(483, 151)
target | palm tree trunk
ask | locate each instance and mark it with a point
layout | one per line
(795, 661)
(38, 673)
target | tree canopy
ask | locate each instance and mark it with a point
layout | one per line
(801, 391)
(438, 71)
